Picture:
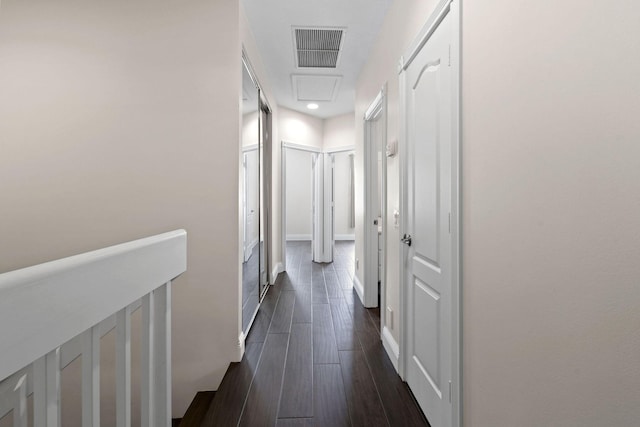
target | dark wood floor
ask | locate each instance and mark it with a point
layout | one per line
(314, 356)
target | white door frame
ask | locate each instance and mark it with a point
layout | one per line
(283, 176)
(283, 191)
(330, 153)
(444, 8)
(369, 292)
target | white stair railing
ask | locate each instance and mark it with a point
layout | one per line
(54, 312)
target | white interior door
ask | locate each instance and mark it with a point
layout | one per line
(429, 100)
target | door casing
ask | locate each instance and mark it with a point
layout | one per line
(369, 293)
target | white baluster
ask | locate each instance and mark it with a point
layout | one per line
(53, 388)
(123, 367)
(40, 392)
(147, 363)
(91, 377)
(162, 353)
(20, 406)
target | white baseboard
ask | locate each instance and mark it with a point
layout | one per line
(298, 236)
(391, 346)
(359, 288)
(277, 269)
(345, 237)
(240, 347)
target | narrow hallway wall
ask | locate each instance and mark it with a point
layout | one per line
(550, 184)
(402, 23)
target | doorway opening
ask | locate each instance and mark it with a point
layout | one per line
(372, 291)
(299, 223)
(318, 204)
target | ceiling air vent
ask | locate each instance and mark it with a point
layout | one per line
(318, 47)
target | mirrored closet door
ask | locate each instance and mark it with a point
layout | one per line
(255, 194)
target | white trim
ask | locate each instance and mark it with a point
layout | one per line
(374, 106)
(240, 344)
(247, 148)
(456, 213)
(283, 205)
(391, 346)
(357, 285)
(344, 149)
(441, 10)
(345, 237)
(327, 207)
(294, 146)
(371, 273)
(298, 237)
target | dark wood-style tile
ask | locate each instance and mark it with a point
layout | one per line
(298, 376)
(346, 336)
(260, 327)
(319, 289)
(197, 409)
(365, 407)
(334, 289)
(397, 401)
(227, 405)
(297, 397)
(302, 309)
(261, 407)
(281, 321)
(325, 349)
(295, 422)
(329, 400)
(345, 279)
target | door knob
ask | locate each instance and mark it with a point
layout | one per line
(406, 239)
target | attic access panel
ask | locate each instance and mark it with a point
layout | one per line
(314, 87)
(317, 47)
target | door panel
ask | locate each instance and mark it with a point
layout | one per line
(429, 136)
(426, 163)
(427, 338)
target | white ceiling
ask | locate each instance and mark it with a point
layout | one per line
(272, 21)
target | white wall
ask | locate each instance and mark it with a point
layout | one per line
(323, 134)
(300, 128)
(120, 120)
(339, 132)
(342, 196)
(551, 208)
(550, 178)
(299, 195)
(403, 21)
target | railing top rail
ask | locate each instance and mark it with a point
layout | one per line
(44, 306)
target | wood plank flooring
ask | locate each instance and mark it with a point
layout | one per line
(314, 356)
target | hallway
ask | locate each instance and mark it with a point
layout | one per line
(314, 356)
